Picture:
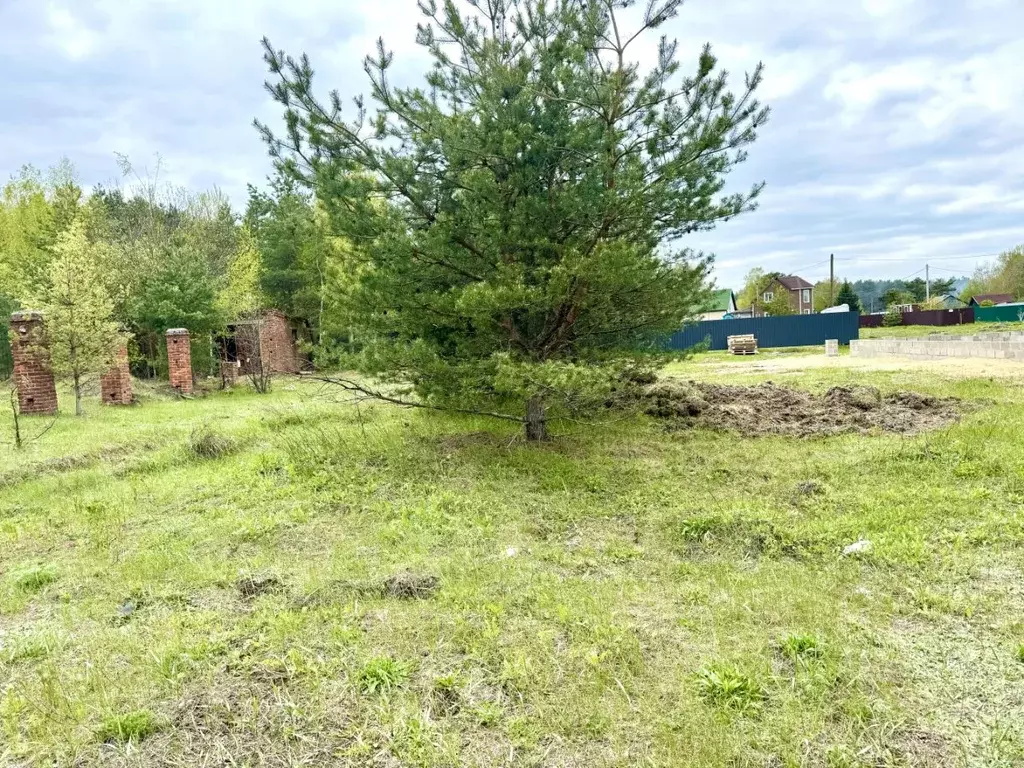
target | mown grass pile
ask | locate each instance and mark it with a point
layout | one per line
(283, 580)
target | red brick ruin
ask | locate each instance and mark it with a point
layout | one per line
(276, 353)
(116, 384)
(179, 360)
(33, 374)
(277, 347)
(228, 373)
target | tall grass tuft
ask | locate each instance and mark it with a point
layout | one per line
(205, 443)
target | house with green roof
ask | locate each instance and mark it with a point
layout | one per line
(723, 302)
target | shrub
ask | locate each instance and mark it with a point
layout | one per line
(892, 318)
(132, 726)
(1020, 654)
(207, 444)
(382, 674)
(725, 685)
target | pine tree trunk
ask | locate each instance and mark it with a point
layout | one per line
(536, 420)
(78, 395)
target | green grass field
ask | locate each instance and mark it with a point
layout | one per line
(911, 331)
(285, 580)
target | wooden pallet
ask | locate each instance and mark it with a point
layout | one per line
(742, 345)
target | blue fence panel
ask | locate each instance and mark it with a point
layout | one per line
(786, 331)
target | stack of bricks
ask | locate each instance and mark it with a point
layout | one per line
(33, 373)
(116, 384)
(277, 347)
(179, 360)
(229, 373)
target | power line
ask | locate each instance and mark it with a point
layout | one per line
(917, 258)
(912, 274)
(809, 266)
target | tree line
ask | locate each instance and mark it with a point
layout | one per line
(120, 264)
(865, 295)
(507, 239)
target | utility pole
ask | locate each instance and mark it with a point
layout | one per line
(927, 283)
(831, 279)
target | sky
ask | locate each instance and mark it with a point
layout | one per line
(895, 139)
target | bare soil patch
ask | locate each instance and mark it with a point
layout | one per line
(768, 409)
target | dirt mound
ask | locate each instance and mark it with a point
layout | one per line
(767, 409)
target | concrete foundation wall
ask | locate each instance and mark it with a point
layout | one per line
(996, 346)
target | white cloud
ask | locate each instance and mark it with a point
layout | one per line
(895, 128)
(69, 34)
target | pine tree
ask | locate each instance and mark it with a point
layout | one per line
(847, 295)
(519, 217)
(82, 333)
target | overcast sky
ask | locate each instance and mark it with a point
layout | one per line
(895, 139)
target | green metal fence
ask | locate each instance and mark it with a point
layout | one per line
(1009, 313)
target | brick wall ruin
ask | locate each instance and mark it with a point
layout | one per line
(277, 345)
(116, 384)
(265, 343)
(33, 373)
(179, 360)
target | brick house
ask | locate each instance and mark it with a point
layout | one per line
(799, 292)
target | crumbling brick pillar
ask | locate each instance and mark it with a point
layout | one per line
(33, 373)
(179, 360)
(116, 384)
(277, 347)
(228, 373)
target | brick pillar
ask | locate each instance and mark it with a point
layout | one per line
(179, 360)
(116, 384)
(33, 374)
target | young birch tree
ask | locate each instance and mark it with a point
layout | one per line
(519, 217)
(78, 311)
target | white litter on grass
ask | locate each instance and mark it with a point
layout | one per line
(858, 548)
(511, 552)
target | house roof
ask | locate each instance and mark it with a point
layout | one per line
(794, 283)
(721, 301)
(995, 298)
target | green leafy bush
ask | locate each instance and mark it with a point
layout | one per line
(892, 318)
